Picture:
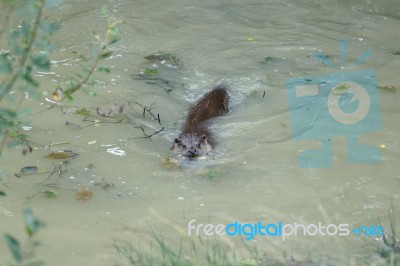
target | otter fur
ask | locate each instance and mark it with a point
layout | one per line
(195, 139)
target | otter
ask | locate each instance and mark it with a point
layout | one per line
(195, 139)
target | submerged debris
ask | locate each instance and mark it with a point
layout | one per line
(271, 60)
(161, 70)
(84, 194)
(163, 58)
(170, 163)
(117, 108)
(83, 111)
(72, 125)
(104, 184)
(61, 154)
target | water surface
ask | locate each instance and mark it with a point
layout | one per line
(258, 177)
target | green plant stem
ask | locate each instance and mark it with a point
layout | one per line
(9, 83)
(85, 80)
(76, 88)
(5, 138)
(3, 141)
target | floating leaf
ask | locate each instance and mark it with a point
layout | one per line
(106, 54)
(271, 60)
(161, 56)
(388, 88)
(105, 69)
(60, 155)
(49, 194)
(150, 71)
(83, 194)
(342, 87)
(212, 175)
(27, 170)
(170, 163)
(83, 111)
(14, 247)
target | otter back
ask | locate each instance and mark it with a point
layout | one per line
(195, 139)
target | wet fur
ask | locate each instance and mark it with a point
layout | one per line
(195, 139)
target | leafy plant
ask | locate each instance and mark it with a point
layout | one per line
(28, 49)
(25, 51)
(389, 248)
(23, 254)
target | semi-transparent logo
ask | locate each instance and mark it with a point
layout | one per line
(340, 104)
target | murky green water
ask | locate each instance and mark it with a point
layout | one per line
(255, 165)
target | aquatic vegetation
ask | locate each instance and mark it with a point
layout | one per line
(198, 251)
(389, 247)
(28, 51)
(23, 252)
(161, 71)
(212, 174)
(150, 71)
(83, 111)
(49, 194)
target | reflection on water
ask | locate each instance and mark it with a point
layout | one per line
(253, 47)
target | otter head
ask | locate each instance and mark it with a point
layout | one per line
(191, 145)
